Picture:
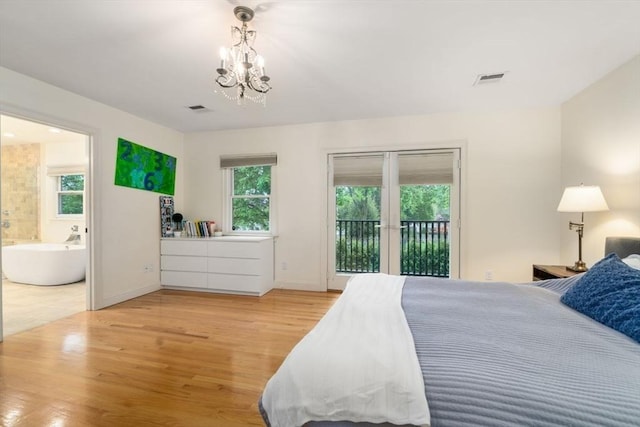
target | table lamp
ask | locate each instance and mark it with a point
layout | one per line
(582, 198)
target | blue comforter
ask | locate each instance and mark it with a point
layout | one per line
(499, 354)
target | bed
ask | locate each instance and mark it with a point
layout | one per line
(440, 352)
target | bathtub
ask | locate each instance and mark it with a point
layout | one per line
(44, 264)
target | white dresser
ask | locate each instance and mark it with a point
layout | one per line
(229, 264)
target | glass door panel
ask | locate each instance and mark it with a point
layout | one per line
(425, 180)
(357, 229)
(424, 230)
(392, 213)
(356, 214)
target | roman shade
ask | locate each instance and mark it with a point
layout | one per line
(236, 161)
(65, 170)
(358, 170)
(415, 168)
(425, 168)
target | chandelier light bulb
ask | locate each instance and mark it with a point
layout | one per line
(260, 62)
(223, 56)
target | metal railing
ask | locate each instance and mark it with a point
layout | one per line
(424, 247)
(357, 246)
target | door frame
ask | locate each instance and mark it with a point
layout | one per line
(457, 268)
(91, 197)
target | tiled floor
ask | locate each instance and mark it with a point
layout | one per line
(27, 306)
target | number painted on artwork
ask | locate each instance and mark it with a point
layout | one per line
(127, 149)
(171, 162)
(148, 183)
(159, 157)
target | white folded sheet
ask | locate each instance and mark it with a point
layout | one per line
(358, 364)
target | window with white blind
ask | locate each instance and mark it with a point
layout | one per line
(70, 189)
(248, 193)
(68, 185)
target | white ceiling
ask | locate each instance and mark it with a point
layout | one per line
(16, 131)
(328, 59)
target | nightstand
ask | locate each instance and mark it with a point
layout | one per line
(544, 272)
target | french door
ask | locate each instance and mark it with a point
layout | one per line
(393, 212)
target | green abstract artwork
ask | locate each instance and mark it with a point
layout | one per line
(145, 169)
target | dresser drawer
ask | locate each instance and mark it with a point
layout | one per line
(184, 263)
(228, 249)
(183, 247)
(235, 283)
(234, 266)
(183, 279)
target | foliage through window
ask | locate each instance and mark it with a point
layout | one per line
(251, 198)
(71, 194)
(424, 229)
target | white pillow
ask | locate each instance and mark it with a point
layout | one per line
(633, 260)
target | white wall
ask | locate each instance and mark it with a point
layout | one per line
(70, 155)
(512, 168)
(515, 168)
(601, 146)
(125, 222)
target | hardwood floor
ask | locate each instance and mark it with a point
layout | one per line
(170, 358)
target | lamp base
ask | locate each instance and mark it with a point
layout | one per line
(579, 267)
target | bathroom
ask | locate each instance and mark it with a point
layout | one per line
(43, 178)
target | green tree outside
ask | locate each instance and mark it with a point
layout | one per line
(251, 196)
(71, 196)
(357, 244)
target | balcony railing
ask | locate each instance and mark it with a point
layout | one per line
(424, 247)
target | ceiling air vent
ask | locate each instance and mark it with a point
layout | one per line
(198, 108)
(489, 78)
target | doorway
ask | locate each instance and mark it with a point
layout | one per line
(44, 206)
(394, 212)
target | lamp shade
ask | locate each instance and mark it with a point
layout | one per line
(582, 198)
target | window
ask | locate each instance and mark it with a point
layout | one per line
(70, 189)
(251, 198)
(249, 195)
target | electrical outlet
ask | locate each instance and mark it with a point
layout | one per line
(488, 275)
(284, 265)
(148, 268)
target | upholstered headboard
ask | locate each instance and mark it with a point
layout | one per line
(622, 246)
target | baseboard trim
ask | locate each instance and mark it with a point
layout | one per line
(298, 286)
(134, 293)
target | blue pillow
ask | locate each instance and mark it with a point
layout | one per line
(609, 293)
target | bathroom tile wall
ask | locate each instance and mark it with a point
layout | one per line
(20, 204)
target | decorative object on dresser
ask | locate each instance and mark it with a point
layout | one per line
(582, 198)
(177, 224)
(166, 214)
(228, 264)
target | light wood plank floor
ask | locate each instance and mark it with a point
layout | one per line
(170, 358)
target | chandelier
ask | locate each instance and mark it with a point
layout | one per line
(241, 66)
